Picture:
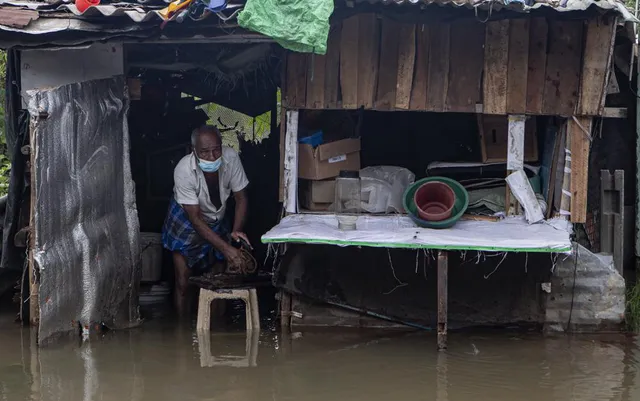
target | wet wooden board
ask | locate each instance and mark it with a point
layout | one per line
(438, 75)
(465, 68)
(296, 88)
(332, 68)
(562, 76)
(406, 63)
(538, 31)
(496, 57)
(421, 69)
(599, 36)
(368, 51)
(518, 66)
(579, 131)
(388, 69)
(315, 82)
(349, 62)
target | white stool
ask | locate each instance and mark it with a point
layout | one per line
(248, 295)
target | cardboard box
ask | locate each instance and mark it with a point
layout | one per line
(317, 195)
(494, 139)
(327, 160)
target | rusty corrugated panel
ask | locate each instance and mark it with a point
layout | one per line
(16, 17)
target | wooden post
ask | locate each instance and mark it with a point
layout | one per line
(442, 377)
(291, 162)
(612, 216)
(443, 261)
(34, 285)
(285, 310)
(579, 132)
(515, 152)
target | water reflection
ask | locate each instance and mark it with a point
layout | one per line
(248, 359)
(162, 361)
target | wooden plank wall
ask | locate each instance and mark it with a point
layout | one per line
(533, 66)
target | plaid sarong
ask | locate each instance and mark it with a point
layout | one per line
(178, 235)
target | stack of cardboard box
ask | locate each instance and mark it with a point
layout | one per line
(318, 166)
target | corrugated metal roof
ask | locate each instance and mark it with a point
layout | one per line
(54, 16)
(519, 5)
(137, 12)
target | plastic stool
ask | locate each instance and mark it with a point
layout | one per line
(248, 295)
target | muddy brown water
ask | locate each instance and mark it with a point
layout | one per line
(165, 361)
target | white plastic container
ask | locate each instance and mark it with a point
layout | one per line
(151, 257)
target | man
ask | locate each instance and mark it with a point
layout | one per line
(193, 229)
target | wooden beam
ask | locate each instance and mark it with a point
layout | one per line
(285, 310)
(283, 119)
(518, 66)
(421, 69)
(406, 63)
(291, 162)
(349, 41)
(579, 131)
(598, 51)
(538, 34)
(438, 75)
(515, 142)
(368, 55)
(316, 82)
(296, 87)
(612, 216)
(564, 62)
(465, 67)
(496, 57)
(615, 112)
(34, 284)
(443, 283)
(332, 68)
(607, 112)
(388, 69)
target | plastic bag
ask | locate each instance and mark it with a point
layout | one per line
(298, 25)
(383, 188)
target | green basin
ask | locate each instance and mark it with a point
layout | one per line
(462, 202)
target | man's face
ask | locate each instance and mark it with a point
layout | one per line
(208, 146)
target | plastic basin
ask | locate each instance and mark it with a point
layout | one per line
(434, 201)
(459, 207)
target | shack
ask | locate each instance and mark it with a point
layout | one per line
(100, 102)
(454, 92)
(100, 107)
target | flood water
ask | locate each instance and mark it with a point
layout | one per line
(165, 361)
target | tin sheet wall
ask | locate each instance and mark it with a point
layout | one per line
(86, 228)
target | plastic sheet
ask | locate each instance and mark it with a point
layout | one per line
(510, 234)
(86, 226)
(298, 25)
(383, 188)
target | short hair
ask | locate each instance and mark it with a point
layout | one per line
(204, 128)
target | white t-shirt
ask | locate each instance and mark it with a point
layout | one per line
(190, 186)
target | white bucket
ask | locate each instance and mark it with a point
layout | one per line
(151, 257)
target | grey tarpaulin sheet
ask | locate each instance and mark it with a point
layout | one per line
(86, 239)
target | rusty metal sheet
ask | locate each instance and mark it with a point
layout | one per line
(16, 17)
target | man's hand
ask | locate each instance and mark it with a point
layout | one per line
(238, 235)
(232, 256)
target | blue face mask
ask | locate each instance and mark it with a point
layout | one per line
(210, 167)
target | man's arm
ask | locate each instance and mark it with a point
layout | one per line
(201, 227)
(240, 218)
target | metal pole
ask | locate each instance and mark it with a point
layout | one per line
(443, 261)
